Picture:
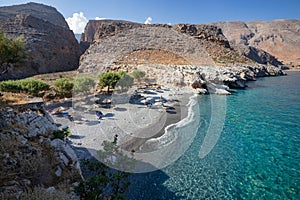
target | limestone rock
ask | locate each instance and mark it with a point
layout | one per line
(208, 37)
(50, 43)
(29, 153)
(66, 150)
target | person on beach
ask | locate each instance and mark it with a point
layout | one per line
(99, 114)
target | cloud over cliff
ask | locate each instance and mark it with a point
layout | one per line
(148, 20)
(77, 22)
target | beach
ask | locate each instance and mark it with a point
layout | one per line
(135, 122)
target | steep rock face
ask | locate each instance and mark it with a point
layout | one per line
(214, 42)
(30, 156)
(40, 11)
(95, 30)
(109, 51)
(203, 32)
(280, 38)
(206, 37)
(50, 43)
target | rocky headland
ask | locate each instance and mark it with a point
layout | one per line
(182, 55)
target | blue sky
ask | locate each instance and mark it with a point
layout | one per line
(168, 11)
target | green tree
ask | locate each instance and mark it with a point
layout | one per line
(109, 79)
(12, 51)
(83, 84)
(126, 81)
(63, 87)
(138, 74)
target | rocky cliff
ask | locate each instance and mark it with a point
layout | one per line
(197, 56)
(30, 155)
(276, 42)
(208, 37)
(51, 45)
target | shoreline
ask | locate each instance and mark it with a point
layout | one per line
(181, 109)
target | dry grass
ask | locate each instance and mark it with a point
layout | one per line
(153, 57)
(9, 98)
(51, 77)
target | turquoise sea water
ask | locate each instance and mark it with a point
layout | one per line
(256, 157)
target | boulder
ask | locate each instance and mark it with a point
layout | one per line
(65, 150)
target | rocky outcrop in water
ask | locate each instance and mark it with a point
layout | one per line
(30, 156)
(204, 79)
(51, 45)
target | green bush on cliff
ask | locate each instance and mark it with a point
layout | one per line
(62, 134)
(12, 51)
(63, 87)
(29, 86)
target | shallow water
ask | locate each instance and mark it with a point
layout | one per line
(257, 155)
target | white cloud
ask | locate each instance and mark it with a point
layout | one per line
(77, 22)
(99, 18)
(148, 20)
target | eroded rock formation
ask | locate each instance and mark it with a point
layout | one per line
(51, 45)
(208, 37)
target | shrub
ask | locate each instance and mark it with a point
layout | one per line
(63, 87)
(12, 51)
(10, 86)
(62, 134)
(83, 84)
(33, 86)
(30, 86)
